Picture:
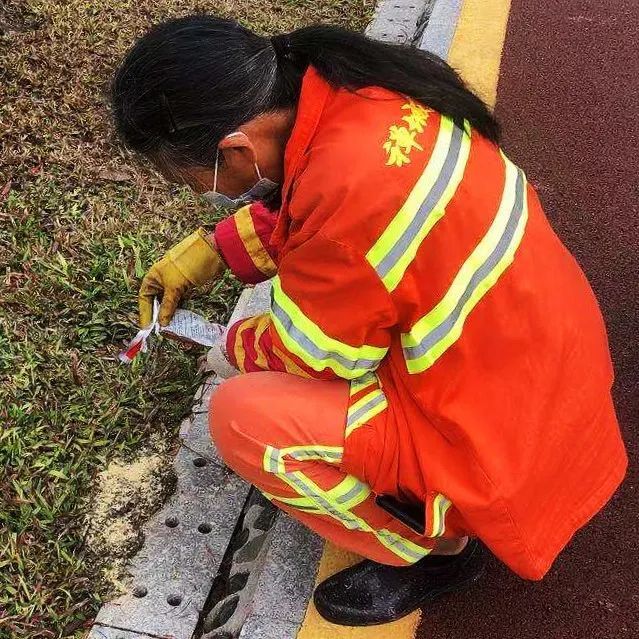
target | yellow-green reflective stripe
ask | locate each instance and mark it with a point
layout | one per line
(337, 502)
(355, 410)
(362, 382)
(365, 409)
(273, 461)
(396, 248)
(403, 548)
(430, 212)
(303, 503)
(406, 213)
(349, 492)
(409, 550)
(441, 505)
(434, 333)
(305, 486)
(307, 340)
(331, 455)
(274, 457)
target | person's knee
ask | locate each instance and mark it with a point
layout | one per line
(225, 406)
(236, 414)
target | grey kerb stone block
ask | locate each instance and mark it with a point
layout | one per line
(186, 540)
(247, 553)
(399, 21)
(439, 27)
(184, 545)
(104, 632)
(268, 587)
(286, 582)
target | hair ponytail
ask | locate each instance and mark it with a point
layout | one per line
(191, 81)
(352, 60)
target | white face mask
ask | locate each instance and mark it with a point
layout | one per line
(260, 190)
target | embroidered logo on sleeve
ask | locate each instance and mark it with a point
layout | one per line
(401, 137)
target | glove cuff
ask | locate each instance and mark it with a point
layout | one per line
(196, 258)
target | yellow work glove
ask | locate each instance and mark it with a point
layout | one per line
(190, 263)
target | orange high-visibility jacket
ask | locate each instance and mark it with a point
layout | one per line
(414, 259)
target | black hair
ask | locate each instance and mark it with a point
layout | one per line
(190, 81)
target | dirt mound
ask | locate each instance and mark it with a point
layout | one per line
(127, 494)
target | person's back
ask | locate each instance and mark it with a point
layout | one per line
(498, 353)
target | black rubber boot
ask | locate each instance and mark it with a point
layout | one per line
(369, 593)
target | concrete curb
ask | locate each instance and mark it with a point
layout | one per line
(286, 582)
(184, 545)
(399, 21)
(437, 35)
(247, 553)
(186, 541)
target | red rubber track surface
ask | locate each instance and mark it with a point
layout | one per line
(568, 101)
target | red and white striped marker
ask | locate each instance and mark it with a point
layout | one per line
(138, 344)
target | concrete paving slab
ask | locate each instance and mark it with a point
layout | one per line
(397, 20)
(439, 29)
(267, 628)
(103, 632)
(184, 545)
(288, 575)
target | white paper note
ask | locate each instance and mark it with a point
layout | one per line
(185, 325)
(193, 328)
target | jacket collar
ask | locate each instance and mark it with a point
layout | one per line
(313, 97)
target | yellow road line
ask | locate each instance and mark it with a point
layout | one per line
(478, 43)
(314, 627)
(476, 53)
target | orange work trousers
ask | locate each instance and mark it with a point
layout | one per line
(285, 435)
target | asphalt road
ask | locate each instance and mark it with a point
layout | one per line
(568, 100)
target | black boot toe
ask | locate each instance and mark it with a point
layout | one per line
(338, 599)
(369, 593)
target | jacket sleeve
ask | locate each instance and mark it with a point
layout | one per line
(330, 317)
(243, 240)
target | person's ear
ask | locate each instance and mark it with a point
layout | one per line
(237, 152)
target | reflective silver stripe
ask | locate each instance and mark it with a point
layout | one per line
(427, 206)
(315, 454)
(359, 383)
(443, 504)
(312, 349)
(355, 490)
(273, 460)
(360, 412)
(444, 327)
(324, 503)
(406, 549)
(391, 540)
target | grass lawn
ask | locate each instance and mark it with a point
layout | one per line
(79, 225)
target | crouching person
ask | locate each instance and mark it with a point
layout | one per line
(433, 375)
